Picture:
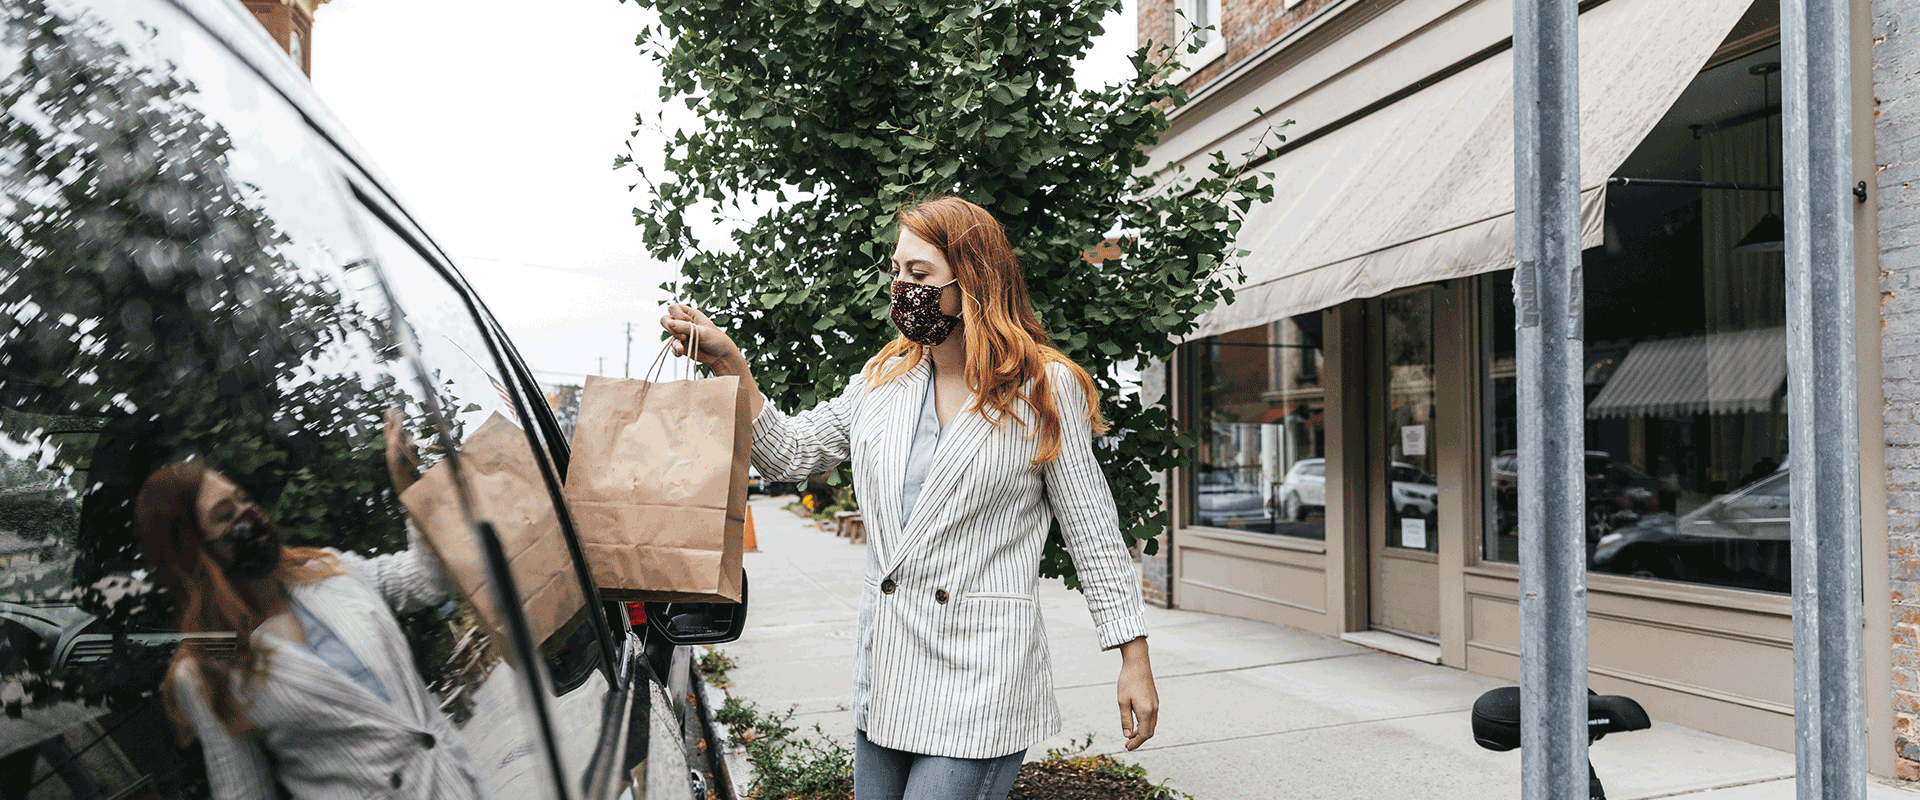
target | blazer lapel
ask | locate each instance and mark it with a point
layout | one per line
(899, 408)
(964, 435)
(294, 665)
(347, 614)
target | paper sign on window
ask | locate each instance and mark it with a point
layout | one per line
(1413, 440)
(1413, 533)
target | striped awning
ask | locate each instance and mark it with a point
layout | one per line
(1719, 373)
(1422, 189)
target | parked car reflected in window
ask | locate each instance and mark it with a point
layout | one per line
(1303, 494)
(1685, 402)
(1262, 453)
(1740, 540)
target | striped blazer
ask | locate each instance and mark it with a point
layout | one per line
(952, 654)
(320, 734)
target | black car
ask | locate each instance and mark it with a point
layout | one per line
(195, 259)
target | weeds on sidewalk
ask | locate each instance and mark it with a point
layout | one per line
(785, 766)
(1067, 774)
(790, 767)
(713, 666)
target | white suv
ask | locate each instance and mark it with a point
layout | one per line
(1304, 491)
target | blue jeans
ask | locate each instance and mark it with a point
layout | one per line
(883, 773)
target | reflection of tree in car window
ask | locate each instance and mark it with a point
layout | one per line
(157, 299)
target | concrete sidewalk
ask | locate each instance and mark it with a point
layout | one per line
(1248, 709)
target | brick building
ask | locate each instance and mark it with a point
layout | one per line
(1355, 404)
(290, 23)
(1896, 93)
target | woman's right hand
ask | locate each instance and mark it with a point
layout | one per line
(717, 350)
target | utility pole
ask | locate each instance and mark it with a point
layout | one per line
(627, 371)
(1551, 392)
(1829, 714)
(602, 370)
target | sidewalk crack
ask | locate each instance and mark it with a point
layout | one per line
(1734, 785)
(1310, 729)
(1165, 676)
(821, 586)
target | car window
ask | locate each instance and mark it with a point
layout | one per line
(1316, 469)
(500, 470)
(198, 361)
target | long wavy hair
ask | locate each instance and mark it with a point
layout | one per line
(204, 601)
(1007, 349)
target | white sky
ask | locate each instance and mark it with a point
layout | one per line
(498, 123)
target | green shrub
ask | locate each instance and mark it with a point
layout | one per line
(785, 766)
(713, 666)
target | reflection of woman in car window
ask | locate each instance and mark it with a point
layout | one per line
(316, 691)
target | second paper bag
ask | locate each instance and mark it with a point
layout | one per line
(658, 486)
(504, 483)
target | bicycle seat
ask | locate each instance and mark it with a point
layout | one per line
(1496, 717)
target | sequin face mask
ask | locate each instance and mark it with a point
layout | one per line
(916, 312)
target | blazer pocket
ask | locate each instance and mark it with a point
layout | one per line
(972, 596)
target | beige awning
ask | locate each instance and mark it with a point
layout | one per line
(1422, 190)
(1719, 373)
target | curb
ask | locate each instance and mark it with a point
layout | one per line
(733, 756)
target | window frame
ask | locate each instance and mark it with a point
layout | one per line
(1184, 12)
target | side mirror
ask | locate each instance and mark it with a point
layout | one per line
(700, 623)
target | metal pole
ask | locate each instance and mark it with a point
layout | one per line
(1829, 705)
(1547, 289)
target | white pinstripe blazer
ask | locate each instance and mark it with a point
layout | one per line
(952, 655)
(328, 736)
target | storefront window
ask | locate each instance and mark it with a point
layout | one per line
(1261, 463)
(1686, 423)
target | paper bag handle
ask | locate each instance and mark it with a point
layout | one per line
(693, 347)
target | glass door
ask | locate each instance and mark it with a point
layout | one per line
(1403, 493)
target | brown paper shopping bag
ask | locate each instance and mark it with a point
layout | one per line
(658, 486)
(507, 491)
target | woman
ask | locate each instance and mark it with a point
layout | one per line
(969, 434)
(316, 691)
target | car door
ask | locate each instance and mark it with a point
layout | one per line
(466, 361)
(194, 279)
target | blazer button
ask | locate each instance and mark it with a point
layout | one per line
(887, 586)
(427, 740)
(394, 779)
(940, 596)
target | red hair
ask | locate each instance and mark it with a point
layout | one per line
(167, 520)
(1007, 349)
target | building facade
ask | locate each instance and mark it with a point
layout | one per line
(1355, 405)
(290, 23)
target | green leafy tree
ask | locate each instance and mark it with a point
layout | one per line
(149, 307)
(829, 115)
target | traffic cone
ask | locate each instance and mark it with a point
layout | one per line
(751, 546)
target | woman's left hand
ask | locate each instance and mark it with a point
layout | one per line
(403, 458)
(1139, 702)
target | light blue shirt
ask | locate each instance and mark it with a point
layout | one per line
(325, 644)
(926, 439)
